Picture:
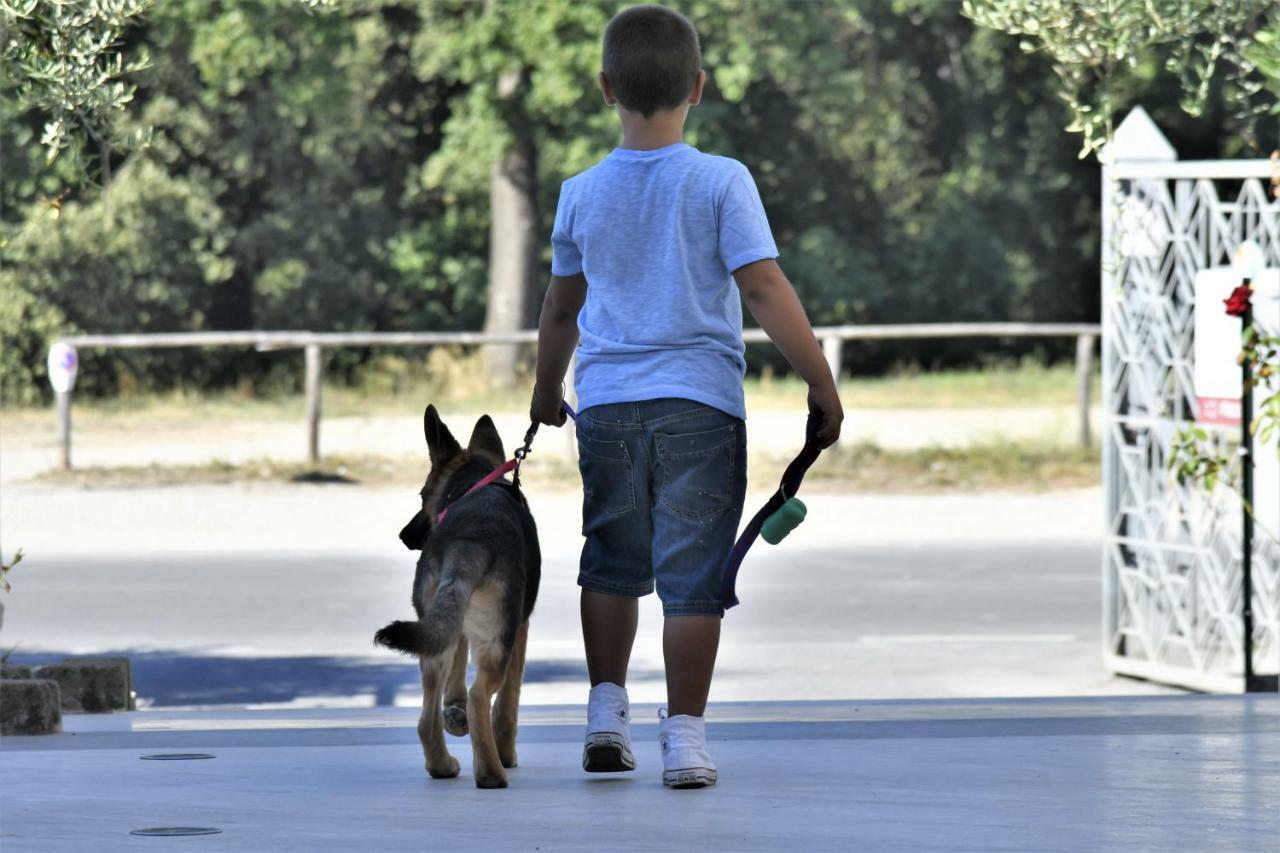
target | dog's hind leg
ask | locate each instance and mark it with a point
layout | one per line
(507, 707)
(440, 764)
(455, 692)
(491, 671)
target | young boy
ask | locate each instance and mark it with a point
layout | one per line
(646, 248)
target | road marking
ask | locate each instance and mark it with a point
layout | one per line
(942, 639)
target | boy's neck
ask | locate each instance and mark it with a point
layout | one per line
(659, 130)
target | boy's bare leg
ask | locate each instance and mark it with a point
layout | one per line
(608, 632)
(689, 646)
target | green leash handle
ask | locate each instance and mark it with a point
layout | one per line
(786, 519)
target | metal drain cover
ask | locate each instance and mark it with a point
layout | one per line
(175, 756)
(177, 830)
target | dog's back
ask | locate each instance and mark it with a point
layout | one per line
(478, 573)
(475, 587)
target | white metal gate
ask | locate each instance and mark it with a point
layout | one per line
(1172, 567)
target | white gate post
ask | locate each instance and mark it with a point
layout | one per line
(1137, 139)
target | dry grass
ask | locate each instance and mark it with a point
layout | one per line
(862, 468)
(404, 386)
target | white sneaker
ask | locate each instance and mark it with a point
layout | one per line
(685, 762)
(608, 745)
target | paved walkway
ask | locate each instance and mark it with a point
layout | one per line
(270, 594)
(1189, 773)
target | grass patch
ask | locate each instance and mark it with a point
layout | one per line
(978, 467)
(460, 388)
(861, 468)
(1006, 385)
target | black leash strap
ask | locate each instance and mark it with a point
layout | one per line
(790, 485)
(527, 448)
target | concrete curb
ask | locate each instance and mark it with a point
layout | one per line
(89, 687)
(30, 706)
(121, 662)
(14, 671)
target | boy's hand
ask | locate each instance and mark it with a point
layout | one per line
(546, 408)
(824, 401)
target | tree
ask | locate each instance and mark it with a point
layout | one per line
(1095, 48)
(523, 73)
(394, 164)
(64, 59)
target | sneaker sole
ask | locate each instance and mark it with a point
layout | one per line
(696, 777)
(607, 753)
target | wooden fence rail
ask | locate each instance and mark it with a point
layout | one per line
(313, 345)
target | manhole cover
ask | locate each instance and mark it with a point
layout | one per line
(177, 830)
(176, 756)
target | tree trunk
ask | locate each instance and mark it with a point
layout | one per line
(513, 247)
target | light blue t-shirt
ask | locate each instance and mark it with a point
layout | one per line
(657, 235)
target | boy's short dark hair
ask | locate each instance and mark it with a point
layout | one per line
(651, 57)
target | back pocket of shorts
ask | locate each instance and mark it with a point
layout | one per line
(607, 481)
(697, 471)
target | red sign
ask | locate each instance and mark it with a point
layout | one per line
(1223, 411)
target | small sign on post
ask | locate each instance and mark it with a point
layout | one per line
(1217, 334)
(63, 364)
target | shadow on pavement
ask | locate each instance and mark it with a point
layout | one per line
(168, 679)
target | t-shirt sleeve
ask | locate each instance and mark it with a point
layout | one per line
(744, 229)
(566, 257)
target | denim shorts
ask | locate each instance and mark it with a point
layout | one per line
(663, 487)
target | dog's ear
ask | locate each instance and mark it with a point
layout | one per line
(485, 441)
(440, 442)
(414, 534)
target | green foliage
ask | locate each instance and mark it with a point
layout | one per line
(152, 263)
(1095, 46)
(64, 58)
(325, 165)
(5, 568)
(28, 325)
(1192, 456)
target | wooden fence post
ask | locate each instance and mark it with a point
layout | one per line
(64, 428)
(314, 373)
(1084, 385)
(831, 348)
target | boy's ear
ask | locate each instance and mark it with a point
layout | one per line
(440, 442)
(610, 99)
(695, 95)
(485, 441)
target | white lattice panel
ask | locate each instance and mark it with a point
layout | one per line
(1172, 566)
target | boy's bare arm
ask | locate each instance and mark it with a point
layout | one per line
(773, 302)
(557, 338)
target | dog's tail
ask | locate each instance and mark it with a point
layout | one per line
(465, 565)
(440, 624)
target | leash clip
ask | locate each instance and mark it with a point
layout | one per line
(523, 451)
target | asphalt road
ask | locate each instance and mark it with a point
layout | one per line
(271, 594)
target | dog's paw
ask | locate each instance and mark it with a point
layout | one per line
(455, 719)
(492, 780)
(449, 769)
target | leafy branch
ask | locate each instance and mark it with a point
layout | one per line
(65, 59)
(1192, 460)
(5, 568)
(1094, 44)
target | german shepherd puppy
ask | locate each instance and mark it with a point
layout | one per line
(475, 585)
